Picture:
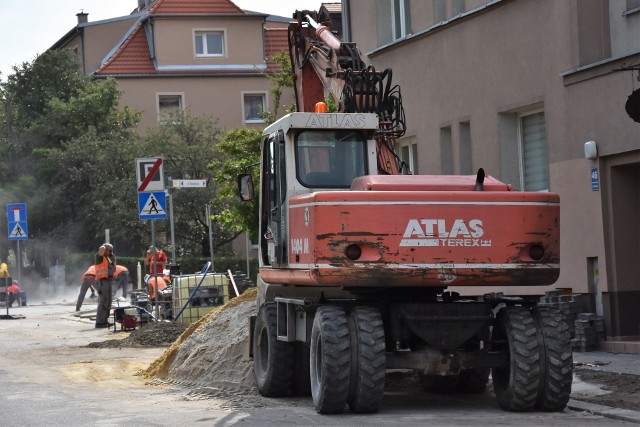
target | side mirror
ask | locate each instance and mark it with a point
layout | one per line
(245, 187)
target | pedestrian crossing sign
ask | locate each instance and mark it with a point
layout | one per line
(17, 221)
(152, 205)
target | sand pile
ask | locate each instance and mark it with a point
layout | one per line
(209, 356)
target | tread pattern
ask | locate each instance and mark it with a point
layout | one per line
(330, 360)
(273, 375)
(369, 361)
(517, 385)
(557, 360)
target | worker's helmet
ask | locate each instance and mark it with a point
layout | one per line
(108, 246)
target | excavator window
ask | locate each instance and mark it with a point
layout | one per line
(330, 159)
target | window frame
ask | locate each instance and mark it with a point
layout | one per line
(160, 95)
(412, 149)
(205, 54)
(265, 103)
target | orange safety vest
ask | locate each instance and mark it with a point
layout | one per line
(102, 269)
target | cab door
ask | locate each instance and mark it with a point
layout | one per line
(273, 241)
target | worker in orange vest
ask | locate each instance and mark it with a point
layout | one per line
(88, 280)
(12, 293)
(162, 283)
(105, 265)
(121, 280)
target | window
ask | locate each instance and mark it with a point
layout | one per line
(534, 160)
(209, 43)
(466, 161)
(446, 151)
(330, 158)
(393, 19)
(633, 4)
(458, 7)
(401, 19)
(169, 105)
(254, 104)
(409, 155)
(439, 11)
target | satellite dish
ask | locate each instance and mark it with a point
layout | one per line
(632, 107)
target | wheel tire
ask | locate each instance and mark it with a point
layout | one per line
(272, 359)
(517, 384)
(557, 360)
(473, 381)
(301, 382)
(330, 360)
(368, 362)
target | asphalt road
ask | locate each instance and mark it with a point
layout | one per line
(49, 377)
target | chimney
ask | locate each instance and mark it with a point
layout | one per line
(82, 17)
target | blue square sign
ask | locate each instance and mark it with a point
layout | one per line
(152, 205)
(17, 221)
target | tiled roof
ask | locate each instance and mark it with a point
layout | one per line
(275, 41)
(193, 7)
(133, 58)
(333, 7)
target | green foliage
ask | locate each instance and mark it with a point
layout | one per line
(188, 145)
(279, 79)
(239, 153)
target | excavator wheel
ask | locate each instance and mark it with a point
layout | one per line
(517, 384)
(330, 360)
(557, 360)
(301, 383)
(272, 359)
(368, 360)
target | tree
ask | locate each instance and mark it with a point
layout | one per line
(240, 153)
(188, 145)
(68, 143)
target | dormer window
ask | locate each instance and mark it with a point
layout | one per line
(209, 43)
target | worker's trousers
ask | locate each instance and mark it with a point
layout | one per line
(103, 286)
(84, 287)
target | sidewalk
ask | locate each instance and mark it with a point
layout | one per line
(600, 361)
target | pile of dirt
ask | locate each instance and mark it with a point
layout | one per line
(624, 388)
(210, 356)
(153, 334)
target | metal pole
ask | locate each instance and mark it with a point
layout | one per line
(208, 213)
(19, 264)
(154, 276)
(171, 223)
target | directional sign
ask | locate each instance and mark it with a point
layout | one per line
(189, 183)
(149, 174)
(17, 221)
(152, 205)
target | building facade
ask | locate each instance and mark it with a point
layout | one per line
(209, 58)
(534, 92)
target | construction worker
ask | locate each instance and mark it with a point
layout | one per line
(88, 280)
(162, 283)
(13, 293)
(121, 280)
(161, 260)
(105, 266)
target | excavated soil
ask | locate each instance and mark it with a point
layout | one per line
(154, 334)
(623, 389)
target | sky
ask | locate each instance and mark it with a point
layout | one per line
(30, 27)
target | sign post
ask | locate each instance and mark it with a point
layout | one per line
(18, 230)
(152, 204)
